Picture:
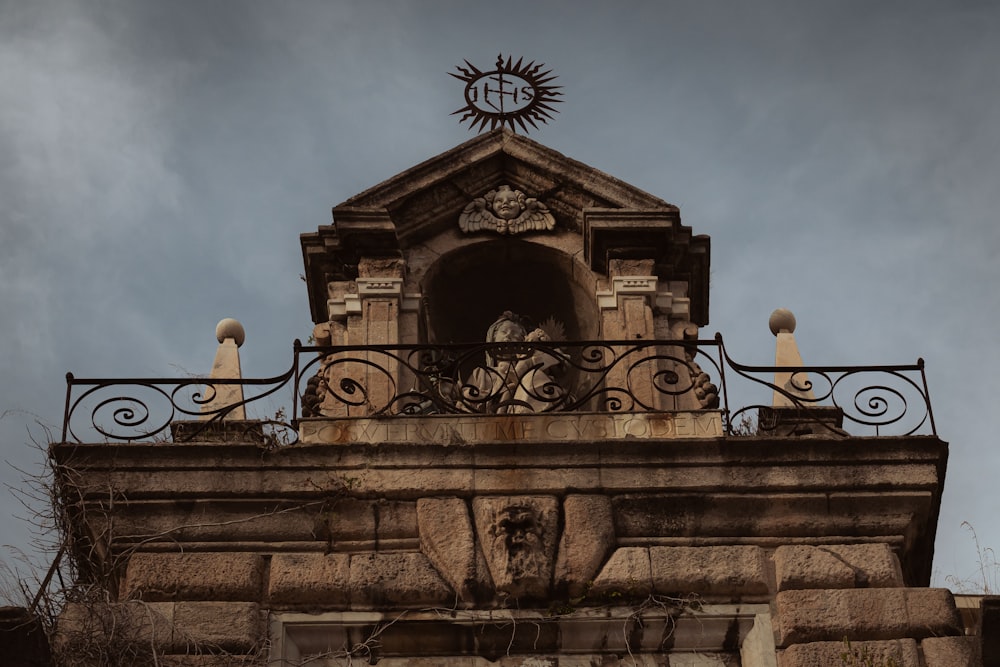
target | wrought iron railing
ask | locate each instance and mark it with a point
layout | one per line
(509, 379)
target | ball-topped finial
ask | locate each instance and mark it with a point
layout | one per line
(230, 328)
(782, 321)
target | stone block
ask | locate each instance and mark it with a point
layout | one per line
(158, 577)
(212, 626)
(951, 652)
(381, 267)
(136, 631)
(448, 541)
(405, 579)
(627, 574)
(801, 566)
(346, 520)
(209, 522)
(549, 480)
(587, 539)
(395, 519)
(109, 631)
(713, 573)
(310, 579)
(933, 610)
(352, 520)
(837, 654)
(877, 564)
(864, 614)
(836, 566)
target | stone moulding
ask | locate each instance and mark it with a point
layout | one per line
(452, 636)
(669, 492)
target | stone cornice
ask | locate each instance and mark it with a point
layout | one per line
(651, 234)
(665, 491)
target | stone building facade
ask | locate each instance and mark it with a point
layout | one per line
(535, 501)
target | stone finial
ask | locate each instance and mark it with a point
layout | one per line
(230, 328)
(230, 334)
(782, 324)
(782, 321)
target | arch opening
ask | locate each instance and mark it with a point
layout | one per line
(468, 288)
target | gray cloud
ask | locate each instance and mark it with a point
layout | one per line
(161, 158)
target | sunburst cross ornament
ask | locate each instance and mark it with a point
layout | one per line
(513, 93)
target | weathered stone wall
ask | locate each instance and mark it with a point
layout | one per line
(212, 539)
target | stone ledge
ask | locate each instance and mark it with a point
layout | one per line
(952, 652)
(358, 581)
(215, 430)
(552, 427)
(159, 577)
(864, 614)
(229, 626)
(828, 654)
(310, 579)
(606, 634)
(836, 566)
(712, 574)
(720, 573)
(100, 628)
(764, 492)
(627, 574)
(400, 580)
(144, 628)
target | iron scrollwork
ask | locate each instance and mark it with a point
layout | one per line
(516, 378)
(508, 378)
(875, 400)
(134, 409)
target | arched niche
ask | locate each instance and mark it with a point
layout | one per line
(468, 288)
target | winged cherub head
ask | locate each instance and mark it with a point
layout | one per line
(507, 203)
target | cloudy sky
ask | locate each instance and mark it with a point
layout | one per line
(158, 161)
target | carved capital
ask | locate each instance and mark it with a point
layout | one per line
(645, 286)
(350, 303)
(651, 234)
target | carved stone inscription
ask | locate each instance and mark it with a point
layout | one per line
(518, 535)
(442, 429)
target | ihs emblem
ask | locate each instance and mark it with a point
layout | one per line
(513, 93)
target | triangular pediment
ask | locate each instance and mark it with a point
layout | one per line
(424, 200)
(614, 219)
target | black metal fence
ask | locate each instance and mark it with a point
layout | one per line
(508, 379)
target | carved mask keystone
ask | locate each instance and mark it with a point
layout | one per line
(518, 535)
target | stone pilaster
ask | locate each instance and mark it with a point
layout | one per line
(373, 309)
(634, 306)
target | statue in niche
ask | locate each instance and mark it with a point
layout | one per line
(506, 211)
(517, 381)
(518, 536)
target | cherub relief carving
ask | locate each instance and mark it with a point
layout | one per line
(506, 211)
(518, 382)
